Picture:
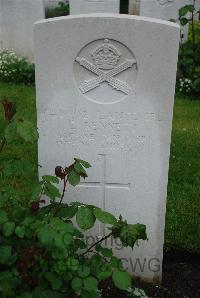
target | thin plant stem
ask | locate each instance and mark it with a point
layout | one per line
(93, 245)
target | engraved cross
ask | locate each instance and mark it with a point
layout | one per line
(103, 184)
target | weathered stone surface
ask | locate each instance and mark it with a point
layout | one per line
(94, 6)
(106, 94)
(165, 10)
(17, 22)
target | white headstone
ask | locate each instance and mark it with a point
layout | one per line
(197, 7)
(105, 94)
(134, 7)
(165, 10)
(17, 23)
(52, 3)
(94, 6)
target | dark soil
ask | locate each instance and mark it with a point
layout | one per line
(181, 278)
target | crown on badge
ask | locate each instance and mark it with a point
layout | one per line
(106, 56)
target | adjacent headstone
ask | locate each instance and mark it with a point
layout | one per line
(197, 7)
(165, 10)
(94, 6)
(17, 23)
(134, 7)
(52, 3)
(105, 94)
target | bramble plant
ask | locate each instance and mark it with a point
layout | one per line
(188, 75)
(42, 252)
(14, 69)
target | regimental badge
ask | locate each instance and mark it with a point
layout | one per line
(106, 67)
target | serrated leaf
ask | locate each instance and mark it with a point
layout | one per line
(67, 212)
(62, 226)
(84, 163)
(27, 131)
(131, 233)
(73, 178)
(121, 279)
(8, 228)
(79, 168)
(49, 178)
(85, 218)
(51, 191)
(90, 284)
(106, 252)
(104, 217)
(185, 9)
(70, 211)
(3, 217)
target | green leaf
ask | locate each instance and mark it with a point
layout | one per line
(59, 241)
(83, 271)
(73, 178)
(71, 211)
(54, 280)
(49, 178)
(27, 131)
(46, 236)
(77, 284)
(121, 279)
(3, 217)
(67, 212)
(185, 9)
(8, 228)
(85, 218)
(5, 253)
(183, 21)
(84, 163)
(27, 221)
(67, 239)
(90, 283)
(62, 226)
(72, 264)
(20, 231)
(51, 191)
(106, 252)
(79, 168)
(104, 271)
(104, 217)
(131, 233)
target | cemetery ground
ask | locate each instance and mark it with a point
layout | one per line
(182, 243)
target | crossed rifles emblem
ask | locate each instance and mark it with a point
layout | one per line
(105, 76)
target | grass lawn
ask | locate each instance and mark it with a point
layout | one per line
(183, 205)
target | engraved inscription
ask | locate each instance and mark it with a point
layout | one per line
(110, 131)
(105, 62)
(165, 2)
